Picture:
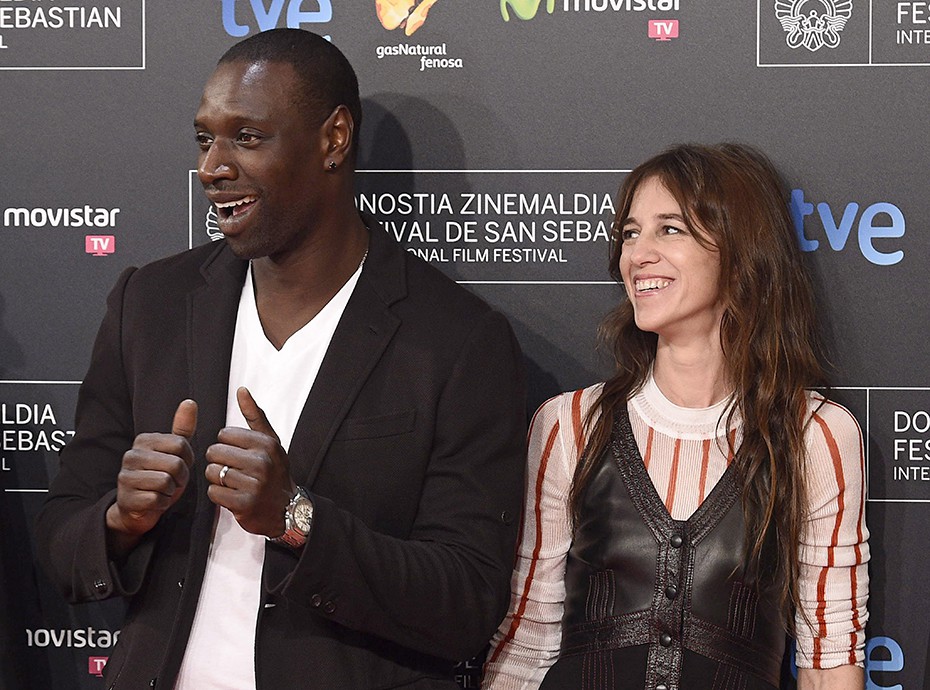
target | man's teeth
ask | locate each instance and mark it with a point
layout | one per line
(652, 284)
(228, 207)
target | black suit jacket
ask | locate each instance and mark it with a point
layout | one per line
(411, 443)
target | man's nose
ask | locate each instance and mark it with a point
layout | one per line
(216, 163)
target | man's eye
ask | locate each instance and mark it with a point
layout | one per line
(204, 141)
(247, 137)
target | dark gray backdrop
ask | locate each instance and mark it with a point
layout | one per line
(485, 140)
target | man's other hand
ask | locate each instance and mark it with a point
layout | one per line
(249, 473)
(153, 476)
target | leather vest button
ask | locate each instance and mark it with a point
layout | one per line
(671, 591)
(665, 640)
(676, 541)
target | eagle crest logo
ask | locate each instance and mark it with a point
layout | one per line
(813, 23)
(211, 225)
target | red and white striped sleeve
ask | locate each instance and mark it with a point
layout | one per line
(527, 642)
(834, 548)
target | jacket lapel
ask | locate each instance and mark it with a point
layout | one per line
(211, 325)
(212, 310)
(364, 331)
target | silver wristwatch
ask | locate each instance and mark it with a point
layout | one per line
(298, 516)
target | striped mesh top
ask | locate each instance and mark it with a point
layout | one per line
(686, 451)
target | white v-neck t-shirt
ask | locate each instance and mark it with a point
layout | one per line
(220, 653)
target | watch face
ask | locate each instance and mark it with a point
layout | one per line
(303, 512)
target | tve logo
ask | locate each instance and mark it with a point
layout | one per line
(883, 656)
(663, 29)
(268, 18)
(99, 245)
(878, 221)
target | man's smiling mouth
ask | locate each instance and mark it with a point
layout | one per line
(228, 209)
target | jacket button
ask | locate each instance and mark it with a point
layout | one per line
(181, 583)
(676, 541)
(671, 591)
(329, 607)
(665, 640)
(316, 600)
(506, 517)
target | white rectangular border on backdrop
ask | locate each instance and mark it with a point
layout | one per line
(194, 189)
(93, 68)
(870, 63)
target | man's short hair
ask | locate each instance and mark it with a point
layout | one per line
(326, 77)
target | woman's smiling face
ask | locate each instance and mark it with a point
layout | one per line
(672, 280)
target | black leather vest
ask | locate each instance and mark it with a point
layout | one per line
(657, 603)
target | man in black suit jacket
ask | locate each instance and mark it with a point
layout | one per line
(390, 518)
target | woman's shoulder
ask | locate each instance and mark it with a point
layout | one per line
(824, 411)
(835, 462)
(569, 404)
(832, 431)
(562, 422)
(557, 436)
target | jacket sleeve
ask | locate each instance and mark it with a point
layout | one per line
(71, 527)
(442, 590)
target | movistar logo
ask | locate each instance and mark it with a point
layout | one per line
(524, 9)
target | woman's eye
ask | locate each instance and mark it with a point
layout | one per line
(628, 234)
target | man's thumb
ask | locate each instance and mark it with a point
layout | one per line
(254, 415)
(185, 419)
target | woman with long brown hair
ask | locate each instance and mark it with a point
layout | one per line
(686, 514)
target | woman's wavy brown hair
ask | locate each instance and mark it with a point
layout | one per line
(734, 201)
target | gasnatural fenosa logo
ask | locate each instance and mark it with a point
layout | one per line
(408, 15)
(811, 28)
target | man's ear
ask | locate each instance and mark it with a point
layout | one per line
(338, 136)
